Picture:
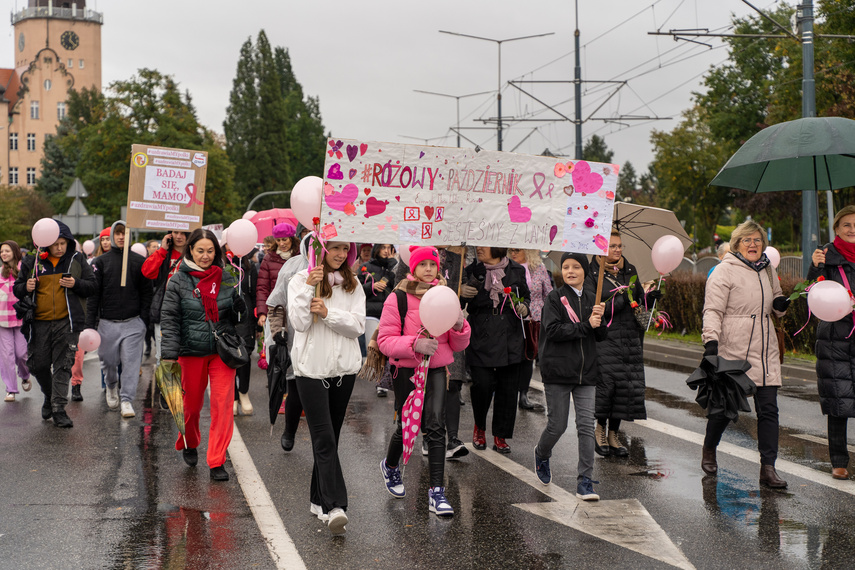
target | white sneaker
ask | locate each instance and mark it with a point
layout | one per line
(337, 521)
(245, 404)
(112, 397)
(128, 410)
(318, 511)
(10, 397)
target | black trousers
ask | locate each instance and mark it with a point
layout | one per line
(837, 448)
(242, 373)
(433, 420)
(452, 408)
(502, 383)
(50, 355)
(325, 402)
(526, 372)
(766, 406)
(293, 408)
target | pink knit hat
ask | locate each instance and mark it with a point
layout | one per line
(421, 253)
(284, 230)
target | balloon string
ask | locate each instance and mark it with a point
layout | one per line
(616, 290)
(658, 285)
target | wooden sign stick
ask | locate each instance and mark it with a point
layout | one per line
(600, 280)
(125, 251)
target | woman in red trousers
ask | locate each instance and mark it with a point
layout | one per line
(201, 297)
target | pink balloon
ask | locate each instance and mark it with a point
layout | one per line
(225, 238)
(140, 249)
(829, 301)
(45, 232)
(89, 340)
(439, 310)
(667, 253)
(306, 199)
(242, 237)
(404, 252)
(249, 214)
(88, 247)
(773, 255)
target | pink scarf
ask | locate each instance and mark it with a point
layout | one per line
(493, 282)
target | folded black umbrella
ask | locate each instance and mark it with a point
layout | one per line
(723, 386)
(277, 364)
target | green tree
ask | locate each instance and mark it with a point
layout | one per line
(596, 150)
(22, 208)
(627, 181)
(240, 125)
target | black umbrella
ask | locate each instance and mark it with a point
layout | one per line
(278, 362)
(723, 386)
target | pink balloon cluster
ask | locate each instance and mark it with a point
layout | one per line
(829, 301)
(439, 310)
(667, 253)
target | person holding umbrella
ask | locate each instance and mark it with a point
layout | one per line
(834, 343)
(741, 295)
(326, 307)
(199, 299)
(400, 338)
(621, 386)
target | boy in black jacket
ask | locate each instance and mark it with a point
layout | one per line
(570, 326)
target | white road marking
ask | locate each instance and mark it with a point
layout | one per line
(821, 440)
(279, 543)
(781, 465)
(623, 522)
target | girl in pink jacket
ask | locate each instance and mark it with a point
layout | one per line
(405, 346)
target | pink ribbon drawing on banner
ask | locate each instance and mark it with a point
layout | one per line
(411, 413)
(192, 191)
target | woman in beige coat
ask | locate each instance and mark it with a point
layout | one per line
(741, 295)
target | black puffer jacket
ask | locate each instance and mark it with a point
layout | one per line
(497, 335)
(568, 351)
(111, 301)
(835, 354)
(72, 262)
(620, 391)
(247, 324)
(185, 330)
(377, 268)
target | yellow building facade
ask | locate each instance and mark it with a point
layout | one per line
(57, 48)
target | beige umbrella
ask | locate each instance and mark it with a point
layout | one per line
(640, 227)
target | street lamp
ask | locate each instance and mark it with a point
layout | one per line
(458, 98)
(499, 93)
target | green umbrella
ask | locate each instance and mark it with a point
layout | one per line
(814, 153)
(168, 378)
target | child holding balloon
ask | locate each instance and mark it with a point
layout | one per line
(405, 341)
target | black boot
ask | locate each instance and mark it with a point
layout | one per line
(46, 409)
(76, 396)
(769, 477)
(287, 441)
(61, 419)
(526, 404)
(708, 461)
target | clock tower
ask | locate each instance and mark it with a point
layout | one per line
(57, 47)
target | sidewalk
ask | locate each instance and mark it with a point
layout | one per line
(685, 357)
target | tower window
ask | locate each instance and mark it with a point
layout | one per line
(31, 141)
(60, 110)
(13, 176)
(81, 64)
(70, 62)
(13, 141)
(31, 176)
(34, 109)
(48, 84)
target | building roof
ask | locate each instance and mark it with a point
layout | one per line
(10, 84)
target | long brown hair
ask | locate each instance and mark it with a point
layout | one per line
(11, 268)
(349, 283)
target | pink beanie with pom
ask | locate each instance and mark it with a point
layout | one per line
(421, 253)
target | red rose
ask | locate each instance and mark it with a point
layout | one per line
(634, 304)
(316, 220)
(507, 290)
(43, 255)
(364, 269)
(820, 278)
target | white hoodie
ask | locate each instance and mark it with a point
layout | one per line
(329, 347)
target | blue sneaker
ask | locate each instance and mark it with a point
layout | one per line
(541, 468)
(392, 477)
(585, 489)
(437, 503)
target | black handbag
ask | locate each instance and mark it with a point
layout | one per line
(230, 347)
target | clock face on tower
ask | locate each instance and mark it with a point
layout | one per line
(69, 40)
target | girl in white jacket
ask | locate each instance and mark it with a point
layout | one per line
(326, 358)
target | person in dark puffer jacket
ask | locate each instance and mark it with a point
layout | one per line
(835, 348)
(199, 297)
(60, 315)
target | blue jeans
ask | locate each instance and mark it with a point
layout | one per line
(557, 416)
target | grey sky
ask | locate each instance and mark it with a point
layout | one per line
(364, 59)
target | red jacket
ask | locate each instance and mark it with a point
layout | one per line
(399, 347)
(267, 274)
(151, 266)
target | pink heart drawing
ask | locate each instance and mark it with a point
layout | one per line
(517, 212)
(388, 218)
(351, 152)
(413, 231)
(398, 198)
(338, 200)
(553, 231)
(429, 212)
(381, 227)
(421, 154)
(362, 148)
(394, 227)
(373, 206)
(351, 173)
(584, 180)
(335, 173)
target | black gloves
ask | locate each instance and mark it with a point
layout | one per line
(654, 295)
(281, 338)
(239, 305)
(781, 303)
(711, 348)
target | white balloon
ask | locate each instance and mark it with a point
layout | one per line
(140, 249)
(829, 301)
(249, 214)
(243, 236)
(773, 255)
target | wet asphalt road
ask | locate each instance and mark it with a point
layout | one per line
(113, 493)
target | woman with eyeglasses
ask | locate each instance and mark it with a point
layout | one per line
(741, 295)
(621, 386)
